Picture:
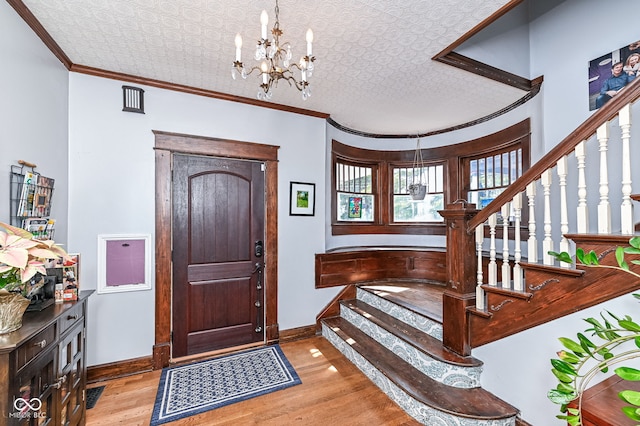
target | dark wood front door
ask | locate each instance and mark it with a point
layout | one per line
(218, 245)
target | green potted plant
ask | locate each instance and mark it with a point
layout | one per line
(607, 342)
(21, 257)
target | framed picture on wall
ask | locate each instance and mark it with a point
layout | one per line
(302, 199)
(124, 263)
(611, 72)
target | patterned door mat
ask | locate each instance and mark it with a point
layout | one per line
(92, 395)
(190, 389)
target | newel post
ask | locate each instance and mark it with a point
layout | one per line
(461, 277)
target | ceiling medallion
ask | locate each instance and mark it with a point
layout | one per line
(275, 60)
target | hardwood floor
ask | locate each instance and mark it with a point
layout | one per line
(333, 392)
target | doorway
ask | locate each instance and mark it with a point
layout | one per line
(218, 244)
(168, 147)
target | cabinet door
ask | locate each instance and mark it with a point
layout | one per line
(72, 370)
(34, 392)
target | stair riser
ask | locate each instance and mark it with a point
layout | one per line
(422, 413)
(452, 375)
(407, 316)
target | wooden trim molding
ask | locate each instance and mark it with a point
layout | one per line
(165, 145)
(37, 28)
(114, 370)
(97, 72)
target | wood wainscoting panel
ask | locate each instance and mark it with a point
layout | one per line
(338, 268)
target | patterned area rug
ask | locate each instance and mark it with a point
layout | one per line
(195, 388)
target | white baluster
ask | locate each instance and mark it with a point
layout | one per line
(604, 209)
(532, 248)
(506, 267)
(479, 292)
(582, 211)
(518, 283)
(564, 216)
(547, 243)
(626, 209)
(493, 266)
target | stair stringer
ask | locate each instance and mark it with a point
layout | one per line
(551, 292)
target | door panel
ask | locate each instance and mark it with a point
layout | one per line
(218, 215)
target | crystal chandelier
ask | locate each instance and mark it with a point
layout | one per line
(275, 60)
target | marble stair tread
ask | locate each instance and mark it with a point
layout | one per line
(472, 403)
(420, 340)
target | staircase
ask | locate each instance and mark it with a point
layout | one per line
(397, 342)
(500, 278)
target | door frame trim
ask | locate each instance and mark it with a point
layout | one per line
(166, 144)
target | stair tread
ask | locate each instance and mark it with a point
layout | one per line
(419, 339)
(474, 403)
(422, 298)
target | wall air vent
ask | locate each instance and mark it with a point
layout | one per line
(132, 99)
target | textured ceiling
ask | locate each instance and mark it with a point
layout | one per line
(373, 70)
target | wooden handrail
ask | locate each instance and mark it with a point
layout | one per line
(588, 128)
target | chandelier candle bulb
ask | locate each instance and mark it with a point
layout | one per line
(238, 47)
(309, 41)
(264, 20)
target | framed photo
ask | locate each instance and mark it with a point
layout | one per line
(611, 72)
(124, 263)
(302, 199)
(71, 277)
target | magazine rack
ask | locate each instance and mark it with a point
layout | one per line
(30, 200)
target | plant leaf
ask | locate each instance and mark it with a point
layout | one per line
(620, 257)
(570, 357)
(562, 257)
(631, 412)
(571, 345)
(566, 388)
(628, 373)
(558, 397)
(563, 377)
(631, 397)
(629, 325)
(592, 258)
(563, 367)
(635, 242)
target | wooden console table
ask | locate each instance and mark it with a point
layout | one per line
(43, 369)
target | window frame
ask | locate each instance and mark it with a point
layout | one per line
(456, 177)
(427, 163)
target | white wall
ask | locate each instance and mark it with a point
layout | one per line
(33, 113)
(112, 191)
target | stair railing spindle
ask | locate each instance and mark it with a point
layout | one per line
(532, 247)
(564, 215)
(547, 243)
(582, 214)
(506, 266)
(518, 283)
(604, 209)
(493, 266)
(626, 209)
